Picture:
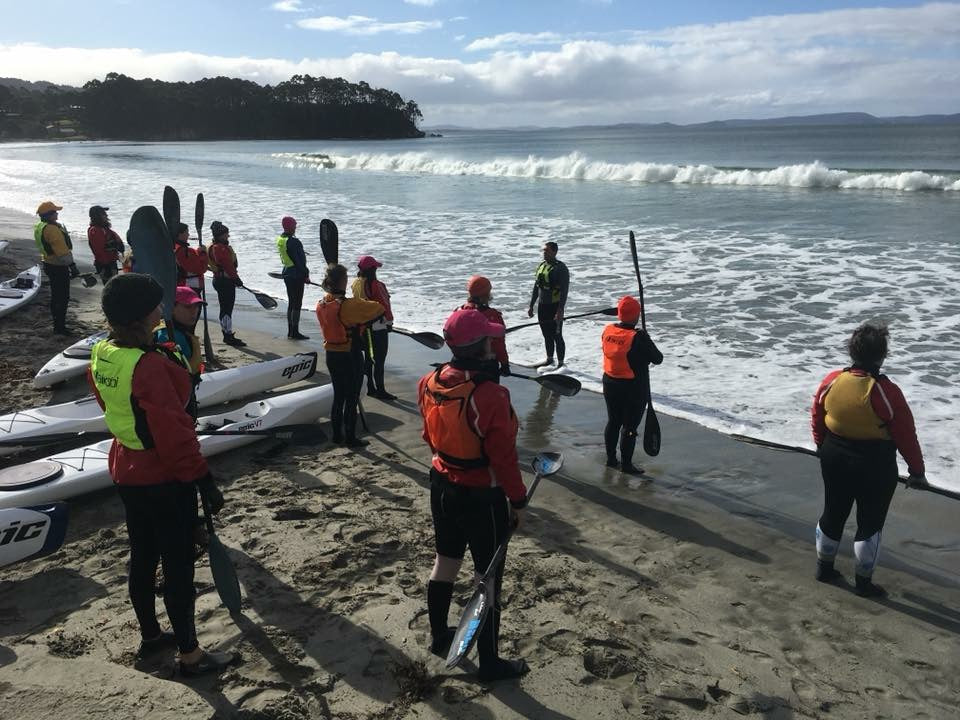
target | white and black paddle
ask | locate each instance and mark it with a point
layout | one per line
(478, 607)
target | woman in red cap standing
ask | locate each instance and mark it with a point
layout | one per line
(367, 287)
(296, 274)
(627, 352)
(478, 298)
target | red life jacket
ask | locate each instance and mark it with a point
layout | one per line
(451, 435)
(617, 342)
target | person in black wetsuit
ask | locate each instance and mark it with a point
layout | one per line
(550, 294)
(296, 274)
(627, 352)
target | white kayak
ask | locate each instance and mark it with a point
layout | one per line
(20, 290)
(3, 245)
(215, 388)
(31, 532)
(70, 363)
(84, 470)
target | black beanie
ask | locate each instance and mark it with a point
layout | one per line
(129, 297)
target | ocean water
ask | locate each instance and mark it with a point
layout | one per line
(761, 249)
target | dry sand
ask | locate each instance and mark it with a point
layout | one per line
(687, 594)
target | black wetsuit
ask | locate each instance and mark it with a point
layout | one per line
(550, 292)
(295, 277)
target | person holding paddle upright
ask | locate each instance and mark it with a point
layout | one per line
(296, 274)
(155, 462)
(476, 490)
(860, 420)
(192, 262)
(550, 289)
(340, 318)
(479, 295)
(627, 353)
(223, 263)
(377, 334)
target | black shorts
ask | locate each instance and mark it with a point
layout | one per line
(463, 517)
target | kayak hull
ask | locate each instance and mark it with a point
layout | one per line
(70, 363)
(12, 298)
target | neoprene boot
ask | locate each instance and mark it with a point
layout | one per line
(867, 588)
(628, 443)
(439, 595)
(492, 666)
(826, 572)
(233, 340)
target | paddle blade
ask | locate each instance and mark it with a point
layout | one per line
(31, 532)
(198, 215)
(171, 210)
(153, 251)
(275, 275)
(224, 574)
(547, 463)
(474, 615)
(329, 241)
(429, 339)
(266, 302)
(559, 384)
(88, 280)
(651, 433)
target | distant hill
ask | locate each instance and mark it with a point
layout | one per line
(31, 86)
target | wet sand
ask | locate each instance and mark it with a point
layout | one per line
(687, 593)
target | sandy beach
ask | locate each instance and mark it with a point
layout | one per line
(687, 593)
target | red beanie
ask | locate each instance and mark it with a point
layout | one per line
(289, 224)
(628, 310)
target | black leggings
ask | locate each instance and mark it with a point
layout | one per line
(59, 278)
(294, 301)
(346, 378)
(160, 524)
(552, 331)
(861, 471)
(226, 297)
(477, 518)
(625, 401)
(105, 270)
(374, 365)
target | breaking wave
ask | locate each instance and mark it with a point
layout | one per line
(576, 166)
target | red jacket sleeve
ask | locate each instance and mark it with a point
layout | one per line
(161, 389)
(499, 345)
(192, 261)
(378, 292)
(97, 239)
(891, 406)
(497, 424)
(421, 390)
(818, 414)
(224, 258)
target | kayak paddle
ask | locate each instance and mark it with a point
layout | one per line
(477, 609)
(329, 241)
(430, 339)
(224, 574)
(279, 276)
(295, 434)
(88, 280)
(171, 211)
(559, 384)
(651, 428)
(150, 240)
(266, 301)
(207, 344)
(604, 311)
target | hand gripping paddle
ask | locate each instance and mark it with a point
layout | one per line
(477, 609)
(651, 429)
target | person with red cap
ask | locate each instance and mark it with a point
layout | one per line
(296, 274)
(191, 262)
(627, 353)
(476, 490)
(479, 296)
(105, 244)
(340, 321)
(186, 312)
(156, 464)
(376, 336)
(222, 261)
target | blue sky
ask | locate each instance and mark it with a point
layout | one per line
(481, 62)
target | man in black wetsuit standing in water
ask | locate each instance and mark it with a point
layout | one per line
(550, 292)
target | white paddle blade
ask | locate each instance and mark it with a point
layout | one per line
(547, 463)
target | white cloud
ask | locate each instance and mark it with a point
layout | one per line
(762, 67)
(362, 25)
(288, 6)
(422, 3)
(515, 39)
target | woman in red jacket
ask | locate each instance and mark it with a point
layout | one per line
(155, 462)
(223, 262)
(376, 336)
(105, 244)
(860, 420)
(479, 295)
(191, 262)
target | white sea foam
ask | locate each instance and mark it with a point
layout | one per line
(576, 166)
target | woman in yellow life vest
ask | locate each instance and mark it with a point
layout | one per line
(860, 420)
(340, 318)
(56, 253)
(155, 462)
(627, 352)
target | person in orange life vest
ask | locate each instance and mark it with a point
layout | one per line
(186, 312)
(340, 320)
(376, 336)
(479, 296)
(192, 262)
(105, 244)
(222, 260)
(627, 353)
(156, 463)
(860, 419)
(56, 254)
(476, 490)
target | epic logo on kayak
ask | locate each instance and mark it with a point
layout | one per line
(294, 369)
(15, 532)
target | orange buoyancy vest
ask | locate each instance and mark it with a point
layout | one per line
(849, 411)
(332, 327)
(617, 342)
(451, 434)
